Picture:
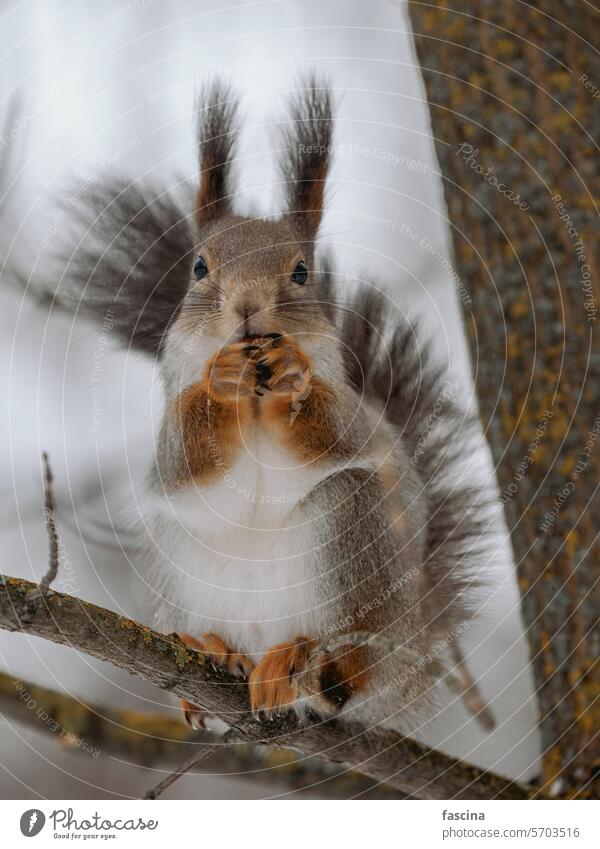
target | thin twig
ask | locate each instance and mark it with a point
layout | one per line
(41, 590)
(50, 575)
(205, 752)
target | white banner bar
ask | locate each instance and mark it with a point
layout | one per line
(298, 824)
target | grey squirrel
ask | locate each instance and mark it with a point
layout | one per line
(302, 488)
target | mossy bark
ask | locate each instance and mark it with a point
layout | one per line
(513, 94)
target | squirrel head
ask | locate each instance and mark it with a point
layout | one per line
(176, 269)
(253, 277)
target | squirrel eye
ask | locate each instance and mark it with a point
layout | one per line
(300, 274)
(200, 268)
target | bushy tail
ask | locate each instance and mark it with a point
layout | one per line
(128, 258)
(398, 370)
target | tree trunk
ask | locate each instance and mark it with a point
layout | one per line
(513, 94)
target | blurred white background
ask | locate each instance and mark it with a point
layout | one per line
(105, 85)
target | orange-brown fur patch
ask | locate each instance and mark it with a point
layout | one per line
(209, 434)
(308, 425)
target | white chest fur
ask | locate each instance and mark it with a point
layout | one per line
(234, 557)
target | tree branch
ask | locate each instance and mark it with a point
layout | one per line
(155, 739)
(383, 755)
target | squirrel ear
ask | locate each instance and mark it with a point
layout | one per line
(308, 154)
(217, 124)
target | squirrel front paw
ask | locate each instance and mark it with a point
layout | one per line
(231, 374)
(284, 368)
(244, 369)
(298, 675)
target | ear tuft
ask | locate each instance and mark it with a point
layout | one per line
(308, 155)
(217, 125)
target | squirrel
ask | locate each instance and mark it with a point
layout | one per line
(307, 480)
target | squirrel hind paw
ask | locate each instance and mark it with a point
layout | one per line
(194, 716)
(298, 677)
(324, 688)
(219, 655)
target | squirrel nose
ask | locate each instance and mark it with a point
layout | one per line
(246, 310)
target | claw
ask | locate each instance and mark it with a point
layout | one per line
(263, 369)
